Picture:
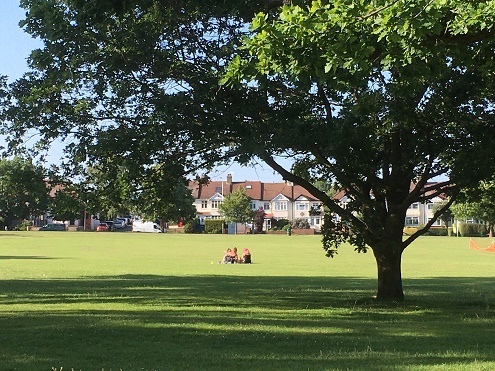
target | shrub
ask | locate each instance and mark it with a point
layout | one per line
(22, 226)
(437, 231)
(281, 223)
(472, 229)
(214, 226)
(408, 231)
(300, 224)
(189, 227)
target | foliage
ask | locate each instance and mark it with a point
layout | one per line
(435, 231)
(373, 97)
(189, 227)
(279, 223)
(259, 219)
(396, 100)
(447, 216)
(23, 190)
(478, 203)
(438, 231)
(66, 203)
(153, 193)
(23, 225)
(300, 224)
(473, 229)
(162, 197)
(236, 207)
(408, 231)
(193, 227)
(214, 226)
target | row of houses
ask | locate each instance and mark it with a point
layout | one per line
(279, 200)
(284, 200)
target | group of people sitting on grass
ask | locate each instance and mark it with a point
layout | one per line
(231, 257)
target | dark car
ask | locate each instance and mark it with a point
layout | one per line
(53, 227)
(109, 224)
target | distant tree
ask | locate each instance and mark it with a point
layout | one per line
(157, 192)
(159, 196)
(259, 219)
(67, 203)
(446, 216)
(478, 203)
(23, 190)
(236, 207)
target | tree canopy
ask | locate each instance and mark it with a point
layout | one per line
(23, 190)
(478, 203)
(236, 207)
(381, 97)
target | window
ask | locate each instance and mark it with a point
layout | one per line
(412, 220)
(437, 222)
(218, 189)
(302, 206)
(204, 204)
(280, 205)
(252, 204)
(215, 204)
(430, 206)
(414, 205)
(266, 206)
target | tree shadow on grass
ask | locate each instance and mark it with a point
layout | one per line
(25, 257)
(134, 322)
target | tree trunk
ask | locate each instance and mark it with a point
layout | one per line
(389, 274)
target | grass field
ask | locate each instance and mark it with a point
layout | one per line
(123, 301)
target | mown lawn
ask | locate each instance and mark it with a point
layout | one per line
(123, 301)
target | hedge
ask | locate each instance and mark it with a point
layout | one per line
(214, 226)
(472, 229)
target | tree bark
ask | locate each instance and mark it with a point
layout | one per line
(389, 274)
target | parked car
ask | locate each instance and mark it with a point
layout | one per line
(103, 227)
(53, 227)
(109, 224)
(119, 223)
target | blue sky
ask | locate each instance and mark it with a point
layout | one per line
(15, 46)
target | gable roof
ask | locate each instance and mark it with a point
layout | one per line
(256, 190)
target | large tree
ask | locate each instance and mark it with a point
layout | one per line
(380, 97)
(24, 192)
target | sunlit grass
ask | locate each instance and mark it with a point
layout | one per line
(114, 301)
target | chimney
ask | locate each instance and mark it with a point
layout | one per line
(229, 178)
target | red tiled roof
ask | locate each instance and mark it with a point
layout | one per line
(257, 190)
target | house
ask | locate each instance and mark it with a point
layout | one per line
(418, 213)
(282, 200)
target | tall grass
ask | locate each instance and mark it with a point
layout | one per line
(111, 301)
